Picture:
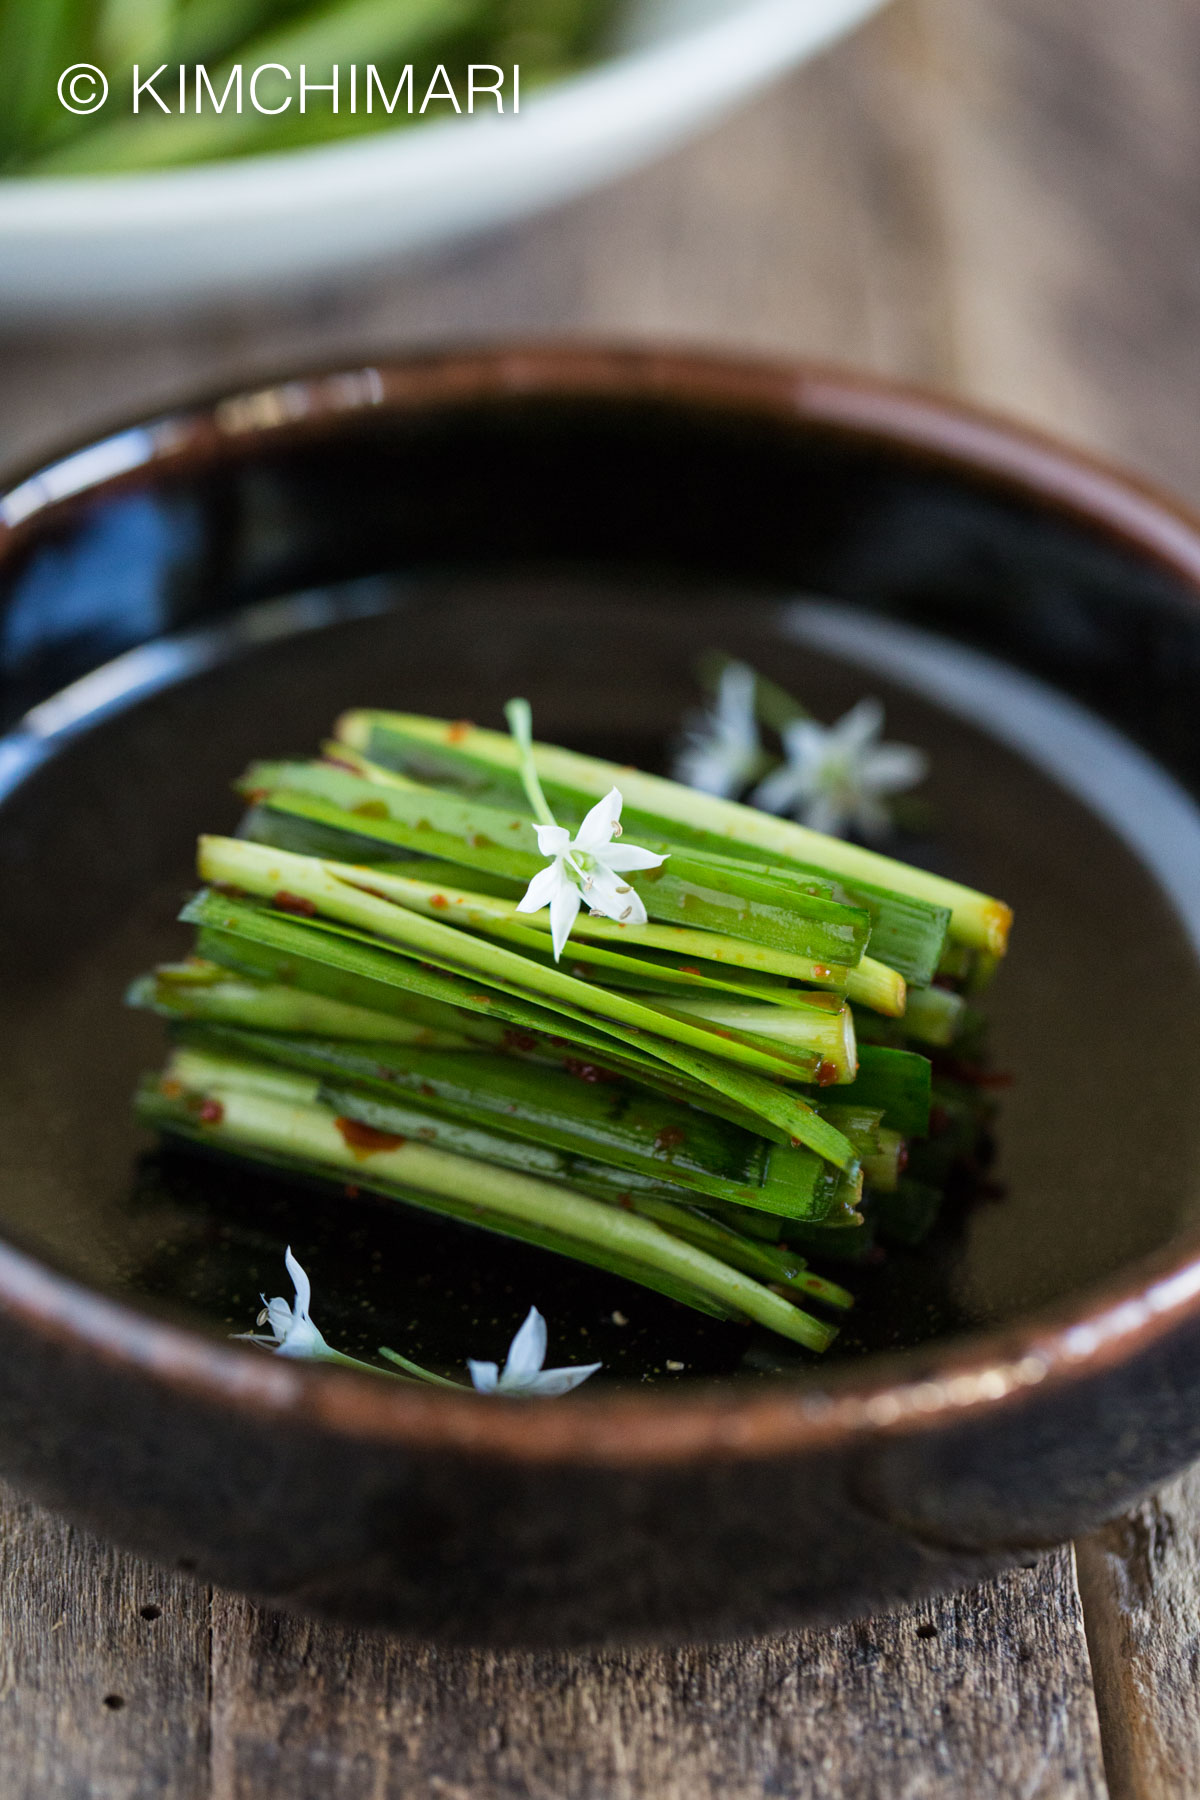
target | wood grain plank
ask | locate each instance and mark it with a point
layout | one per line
(103, 1668)
(986, 1693)
(1140, 1580)
(1070, 139)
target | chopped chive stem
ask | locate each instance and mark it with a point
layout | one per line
(976, 919)
(908, 934)
(271, 1006)
(269, 873)
(883, 1166)
(675, 940)
(694, 888)
(934, 1015)
(172, 1116)
(252, 939)
(342, 756)
(899, 1083)
(873, 984)
(307, 1133)
(342, 893)
(828, 1035)
(774, 1263)
(495, 1108)
(494, 917)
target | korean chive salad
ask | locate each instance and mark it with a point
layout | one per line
(591, 1009)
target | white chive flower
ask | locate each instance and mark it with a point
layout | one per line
(523, 1373)
(721, 751)
(293, 1332)
(836, 778)
(587, 867)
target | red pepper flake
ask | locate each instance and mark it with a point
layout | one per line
(821, 972)
(669, 1138)
(688, 969)
(294, 903)
(518, 1040)
(429, 1091)
(364, 1140)
(458, 731)
(827, 1074)
(255, 796)
(587, 1071)
(211, 1112)
(438, 900)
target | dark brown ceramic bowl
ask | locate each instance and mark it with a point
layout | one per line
(576, 524)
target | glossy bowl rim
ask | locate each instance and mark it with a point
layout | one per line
(928, 1387)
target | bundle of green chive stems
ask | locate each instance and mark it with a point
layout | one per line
(39, 39)
(704, 1103)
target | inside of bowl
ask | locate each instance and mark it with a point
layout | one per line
(593, 595)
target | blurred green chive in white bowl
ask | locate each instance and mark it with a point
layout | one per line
(221, 78)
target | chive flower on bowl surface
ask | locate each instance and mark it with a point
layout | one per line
(292, 1330)
(836, 778)
(294, 1334)
(721, 751)
(523, 1372)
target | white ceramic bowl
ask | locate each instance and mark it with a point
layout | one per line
(124, 244)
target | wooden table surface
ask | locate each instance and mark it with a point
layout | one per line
(995, 197)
